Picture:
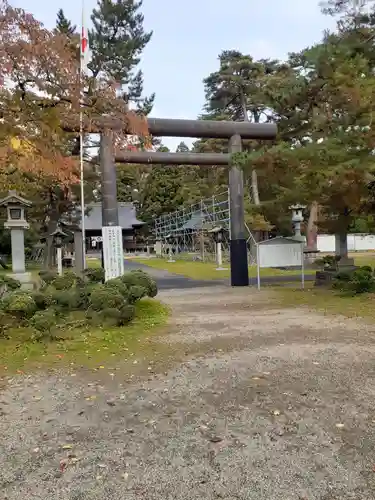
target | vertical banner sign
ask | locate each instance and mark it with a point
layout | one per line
(113, 252)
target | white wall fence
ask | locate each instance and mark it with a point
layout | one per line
(356, 242)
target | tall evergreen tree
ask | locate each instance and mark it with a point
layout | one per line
(63, 25)
(117, 41)
(182, 148)
(235, 92)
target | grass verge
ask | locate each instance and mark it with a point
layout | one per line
(327, 301)
(83, 348)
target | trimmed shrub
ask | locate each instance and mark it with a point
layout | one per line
(118, 286)
(66, 299)
(43, 299)
(109, 317)
(19, 304)
(47, 276)
(95, 275)
(11, 283)
(112, 317)
(47, 311)
(140, 278)
(136, 292)
(43, 321)
(355, 282)
(127, 314)
(103, 297)
(362, 281)
(66, 281)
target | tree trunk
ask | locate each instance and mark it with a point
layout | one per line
(49, 253)
(254, 175)
(254, 187)
(341, 237)
(312, 229)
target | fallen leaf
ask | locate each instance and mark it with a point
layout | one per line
(276, 412)
(340, 426)
(125, 476)
(67, 446)
(215, 439)
(101, 367)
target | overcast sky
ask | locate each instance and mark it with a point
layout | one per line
(189, 35)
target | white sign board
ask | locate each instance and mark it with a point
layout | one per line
(280, 255)
(280, 252)
(113, 254)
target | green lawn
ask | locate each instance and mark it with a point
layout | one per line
(86, 347)
(364, 259)
(327, 301)
(206, 270)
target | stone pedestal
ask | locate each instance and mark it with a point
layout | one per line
(325, 278)
(25, 278)
(311, 255)
(78, 252)
(18, 250)
(346, 263)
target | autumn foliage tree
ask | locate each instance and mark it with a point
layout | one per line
(42, 95)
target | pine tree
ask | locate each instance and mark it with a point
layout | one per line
(182, 148)
(117, 41)
(63, 25)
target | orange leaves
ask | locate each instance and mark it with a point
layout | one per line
(42, 94)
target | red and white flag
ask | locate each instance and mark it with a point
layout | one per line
(84, 44)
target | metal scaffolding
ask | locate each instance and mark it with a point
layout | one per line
(186, 232)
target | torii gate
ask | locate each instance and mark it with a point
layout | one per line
(164, 127)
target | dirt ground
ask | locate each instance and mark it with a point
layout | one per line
(268, 404)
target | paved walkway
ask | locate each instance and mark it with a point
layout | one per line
(166, 280)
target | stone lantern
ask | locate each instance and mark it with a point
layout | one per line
(297, 219)
(170, 239)
(58, 240)
(16, 222)
(218, 235)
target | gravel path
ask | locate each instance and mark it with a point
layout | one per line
(275, 404)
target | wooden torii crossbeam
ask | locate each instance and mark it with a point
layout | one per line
(164, 127)
(163, 158)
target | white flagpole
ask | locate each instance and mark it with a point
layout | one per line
(81, 137)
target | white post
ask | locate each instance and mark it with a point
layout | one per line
(258, 267)
(59, 261)
(302, 265)
(170, 253)
(219, 254)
